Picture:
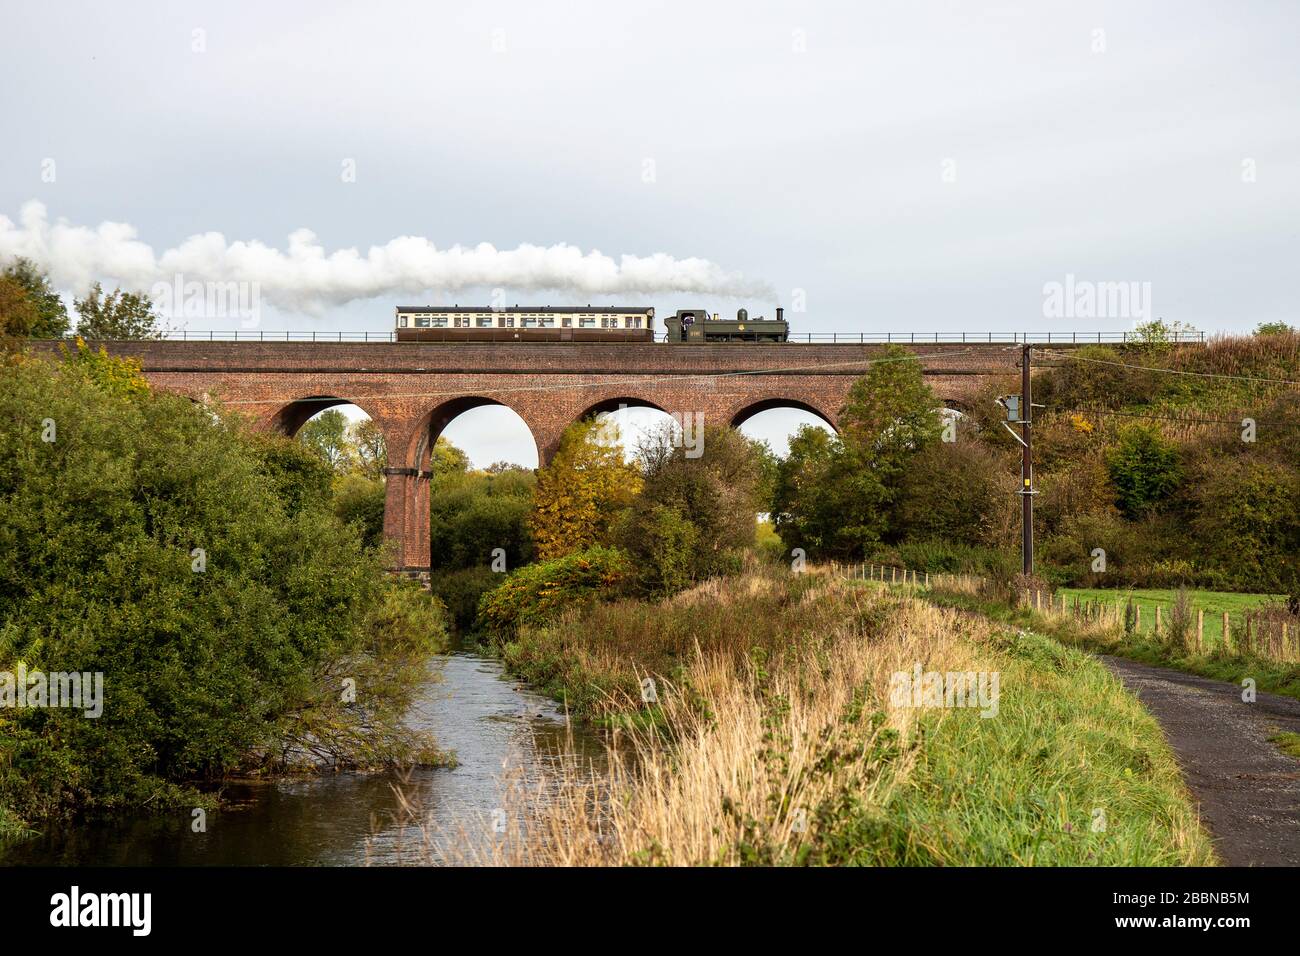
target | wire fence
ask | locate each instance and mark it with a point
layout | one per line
(1266, 632)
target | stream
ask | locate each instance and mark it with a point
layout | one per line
(496, 727)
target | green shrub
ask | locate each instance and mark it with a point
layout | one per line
(360, 501)
(957, 492)
(1144, 469)
(665, 543)
(299, 477)
(1245, 518)
(234, 662)
(535, 593)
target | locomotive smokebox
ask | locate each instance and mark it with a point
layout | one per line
(742, 315)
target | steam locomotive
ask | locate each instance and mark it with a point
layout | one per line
(549, 323)
(695, 325)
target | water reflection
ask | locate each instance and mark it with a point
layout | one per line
(493, 725)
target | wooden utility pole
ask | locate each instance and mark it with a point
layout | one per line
(1026, 465)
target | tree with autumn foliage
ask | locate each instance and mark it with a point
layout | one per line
(582, 491)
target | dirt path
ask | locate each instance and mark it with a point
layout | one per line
(1248, 790)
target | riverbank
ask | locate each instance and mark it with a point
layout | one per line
(778, 719)
(492, 725)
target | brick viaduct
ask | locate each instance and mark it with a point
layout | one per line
(413, 390)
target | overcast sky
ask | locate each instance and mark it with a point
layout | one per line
(887, 166)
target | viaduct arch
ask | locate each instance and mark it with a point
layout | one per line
(413, 390)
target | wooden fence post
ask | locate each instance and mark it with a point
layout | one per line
(1157, 631)
(1200, 629)
(1227, 633)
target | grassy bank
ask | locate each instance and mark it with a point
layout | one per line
(1214, 661)
(776, 736)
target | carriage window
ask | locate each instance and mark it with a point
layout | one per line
(462, 321)
(587, 322)
(609, 322)
(485, 321)
(401, 321)
(507, 322)
(438, 321)
(421, 322)
(568, 321)
(548, 321)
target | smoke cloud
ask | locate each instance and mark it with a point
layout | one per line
(304, 278)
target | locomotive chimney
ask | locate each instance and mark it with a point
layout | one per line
(780, 314)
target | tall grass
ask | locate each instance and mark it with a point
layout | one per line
(775, 741)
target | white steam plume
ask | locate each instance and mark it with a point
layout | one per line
(304, 278)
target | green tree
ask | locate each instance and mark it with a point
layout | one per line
(447, 459)
(327, 436)
(834, 496)
(890, 413)
(370, 448)
(51, 319)
(1158, 335)
(473, 514)
(298, 475)
(1273, 328)
(116, 316)
(695, 515)
(828, 500)
(768, 463)
(581, 492)
(1245, 518)
(1144, 469)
